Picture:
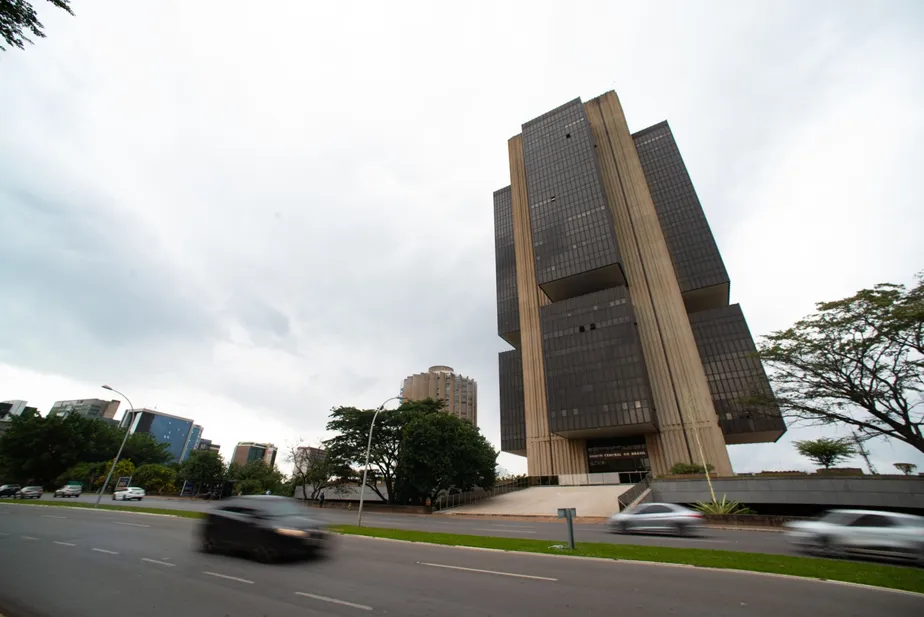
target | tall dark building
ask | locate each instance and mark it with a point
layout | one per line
(627, 356)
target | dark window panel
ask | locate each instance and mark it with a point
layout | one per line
(595, 372)
(697, 261)
(508, 316)
(735, 372)
(512, 405)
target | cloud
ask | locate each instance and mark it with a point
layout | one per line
(251, 226)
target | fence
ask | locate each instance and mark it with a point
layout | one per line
(626, 499)
(454, 500)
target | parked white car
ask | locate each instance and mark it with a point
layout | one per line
(870, 532)
(128, 494)
(658, 517)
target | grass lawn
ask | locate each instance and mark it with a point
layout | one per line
(102, 506)
(879, 575)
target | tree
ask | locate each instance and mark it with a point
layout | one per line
(857, 362)
(203, 468)
(154, 477)
(18, 17)
(352, 428)
(256, 477)
(906, 468)
(123, 468)
(826, 452)
(442, 452)
(86, 473)
(38, 450)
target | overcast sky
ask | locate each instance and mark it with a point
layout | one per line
(249, 217)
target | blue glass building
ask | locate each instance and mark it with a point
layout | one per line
(180, 434)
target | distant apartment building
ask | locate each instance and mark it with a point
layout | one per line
(248, 451)
(15, 408)
(88, 408)
(309, 455)
(8, 409)
(460, 394)
(206, 444)
(182, 435)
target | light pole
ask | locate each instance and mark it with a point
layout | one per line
(362, 487)
(128, 430)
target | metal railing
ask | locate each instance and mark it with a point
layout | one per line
(626, 499)
(454, 500)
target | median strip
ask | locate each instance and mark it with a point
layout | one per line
(862, 573)
(131, 509)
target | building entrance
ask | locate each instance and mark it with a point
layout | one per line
(627, 456)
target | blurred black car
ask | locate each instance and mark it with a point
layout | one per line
(267, 527)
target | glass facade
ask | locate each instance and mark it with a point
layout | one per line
(735, 372)
(697, 261)
(594, 370)
(512, 405)
(171, 430)
(508, 314)
(572, 228)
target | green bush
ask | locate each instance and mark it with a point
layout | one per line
(689, 469)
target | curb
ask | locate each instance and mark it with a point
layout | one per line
(662, 564)
(106, 510)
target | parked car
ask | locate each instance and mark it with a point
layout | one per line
(69, 490)
(30, 492)
(870, 532)
(657, 517)
(9, 490)
(267, 527)
(128, 494)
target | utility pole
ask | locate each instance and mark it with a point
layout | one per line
(863, 453)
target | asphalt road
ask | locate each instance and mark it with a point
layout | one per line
(75, 563)
(718, 539)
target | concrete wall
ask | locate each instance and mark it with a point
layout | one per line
(868, 492)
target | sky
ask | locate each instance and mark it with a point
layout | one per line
(251, 218)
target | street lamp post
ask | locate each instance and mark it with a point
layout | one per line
(128, 430)
(362, 487)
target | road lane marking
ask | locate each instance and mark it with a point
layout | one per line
(230, 578)
(102, 550)
(29, 538)
(158, 562)
(52, 516)
(495, 529)
(64, 543)
(3, 533)
(130, 524)
(440, 565)
(334, 601)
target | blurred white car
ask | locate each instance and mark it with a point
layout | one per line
(841, 532)
(659, 517)
(128, 494)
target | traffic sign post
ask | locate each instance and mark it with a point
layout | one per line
(568, 514)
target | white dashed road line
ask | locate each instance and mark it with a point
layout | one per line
(495, 529)
(65, 543)
(130, 524)
(158, 562)
(29, 538)
(440, 565)
(102, 550)
(52, 516)
(334, 601)
(230, 578)
(3, 533)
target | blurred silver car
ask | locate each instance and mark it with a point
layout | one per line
(870, 532)
(657, 517)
